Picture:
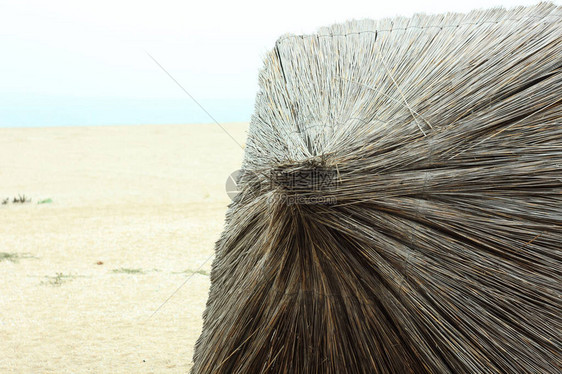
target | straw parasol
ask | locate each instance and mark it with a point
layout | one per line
(401, 203)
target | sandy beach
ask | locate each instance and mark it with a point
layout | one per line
(129, 213)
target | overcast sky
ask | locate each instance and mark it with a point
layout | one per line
(84, 62)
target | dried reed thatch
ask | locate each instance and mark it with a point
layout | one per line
(401, 209)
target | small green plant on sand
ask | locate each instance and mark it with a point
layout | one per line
(20, 199)
(128, 271)
(58, 279)
(13, 256)
(190, 271)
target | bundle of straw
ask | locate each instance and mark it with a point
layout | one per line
(401, 209)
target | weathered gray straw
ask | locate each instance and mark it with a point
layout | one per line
(401, 209)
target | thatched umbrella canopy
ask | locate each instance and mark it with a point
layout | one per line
(401, 209)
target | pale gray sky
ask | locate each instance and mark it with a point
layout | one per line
(84, 62)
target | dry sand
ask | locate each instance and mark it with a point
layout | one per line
(146, 201)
